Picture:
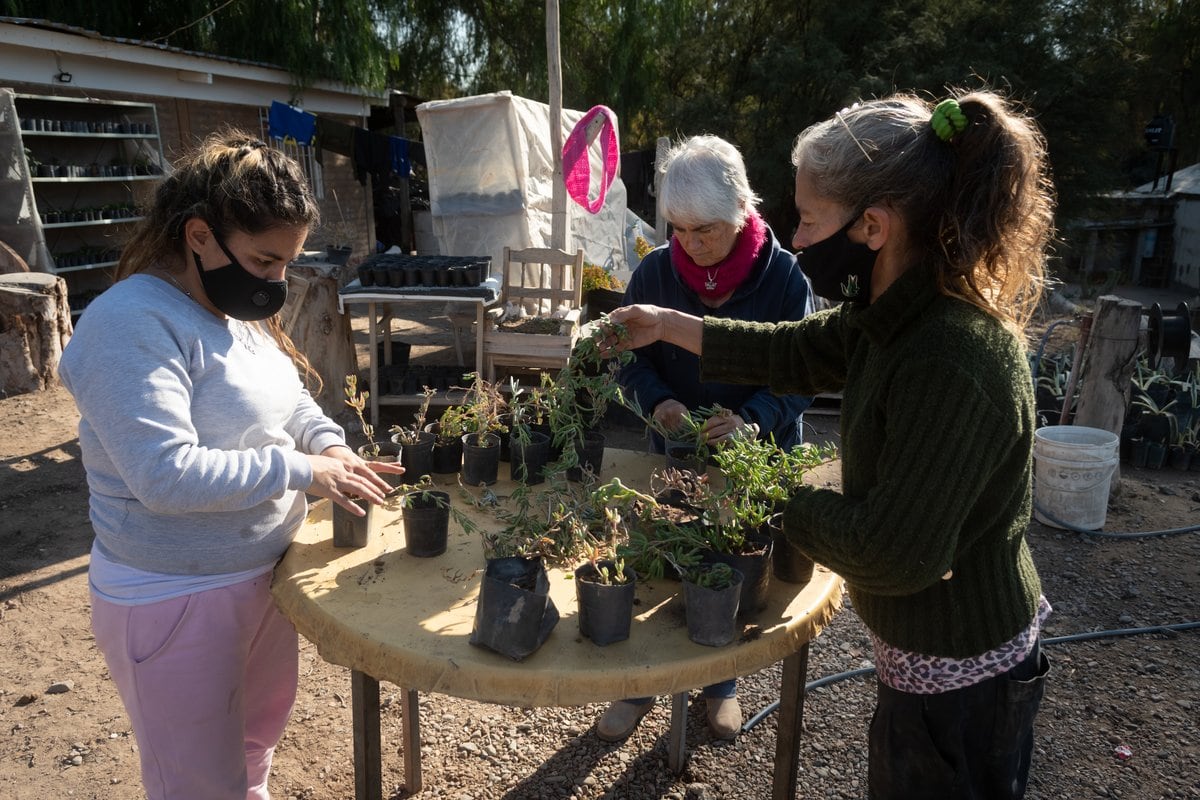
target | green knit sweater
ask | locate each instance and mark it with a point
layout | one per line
(937, 438)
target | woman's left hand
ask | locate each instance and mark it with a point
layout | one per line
(360, 469)
(720, 427)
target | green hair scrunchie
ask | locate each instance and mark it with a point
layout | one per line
(948, 119)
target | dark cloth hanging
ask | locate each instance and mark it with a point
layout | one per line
(372, 155)
(334, 136)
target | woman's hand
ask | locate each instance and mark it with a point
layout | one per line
(340, 475)
(646, 324)
(670, 413)
(721, 427)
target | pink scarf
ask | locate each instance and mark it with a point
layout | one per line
(725, 276)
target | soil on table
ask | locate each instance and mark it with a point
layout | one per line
(65, 732)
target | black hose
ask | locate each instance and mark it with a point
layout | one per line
(1133, 535)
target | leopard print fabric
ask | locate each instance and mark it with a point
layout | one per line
(914, 673)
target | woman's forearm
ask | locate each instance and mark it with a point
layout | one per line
(683, 330)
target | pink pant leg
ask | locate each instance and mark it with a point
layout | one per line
(208, 682)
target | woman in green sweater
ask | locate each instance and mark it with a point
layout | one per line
(931, 225)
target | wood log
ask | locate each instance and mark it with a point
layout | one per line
(1111, 356)
(319, 331)
(35, 326)
(11, 261)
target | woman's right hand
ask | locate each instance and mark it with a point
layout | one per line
(344, 480)
(647, 324)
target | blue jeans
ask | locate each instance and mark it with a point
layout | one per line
(724, 689)
(973, 743)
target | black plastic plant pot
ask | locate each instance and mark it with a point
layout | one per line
(481, 459)
(350, 530)
(388, 453)
(591, 456)
(426, 523)
(515, 614)
(712, 613)
(684, 456)
(506, 421)
(755, 568)
(529, 459)
(447, 453)
(366, 276)
(788, 562)
(605, 610)
(417, 457)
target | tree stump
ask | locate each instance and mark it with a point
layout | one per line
(319, 332)
(35, 326)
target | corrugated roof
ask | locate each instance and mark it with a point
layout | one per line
(88, 34)
(1185, 181)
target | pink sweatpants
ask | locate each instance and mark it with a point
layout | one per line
(208, 681)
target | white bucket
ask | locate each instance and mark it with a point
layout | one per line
(1073, 468)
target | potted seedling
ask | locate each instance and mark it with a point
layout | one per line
(604, 592)
(416, 444)
(711, 593)
(448, 445)
(350, 530)
(660, 538)
(426, 513)
(483, 408)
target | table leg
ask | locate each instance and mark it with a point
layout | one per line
(479, 339)
(373, 382)
(677, 738)
(411, 740)
(791, 725)
(368, 768)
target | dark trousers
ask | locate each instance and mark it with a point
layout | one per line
(968, 744)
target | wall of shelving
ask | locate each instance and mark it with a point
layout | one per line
(91, 163)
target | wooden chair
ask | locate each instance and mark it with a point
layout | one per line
(541, 281)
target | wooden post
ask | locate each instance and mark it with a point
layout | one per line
(660, 222)
(35, 326)
(560, 226)
(1112, 355)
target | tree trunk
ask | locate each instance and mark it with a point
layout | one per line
(319, 331)
(35, 326)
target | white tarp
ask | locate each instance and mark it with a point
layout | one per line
(490, 170)
(20, 225)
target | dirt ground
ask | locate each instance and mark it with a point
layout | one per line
(64, 732)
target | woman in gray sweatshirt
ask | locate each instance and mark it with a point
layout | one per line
(200, 440)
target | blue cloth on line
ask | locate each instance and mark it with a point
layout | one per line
(284, 121)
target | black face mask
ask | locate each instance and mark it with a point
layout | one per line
(839, 268)
(238, 293)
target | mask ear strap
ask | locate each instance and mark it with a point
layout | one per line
(224, 249)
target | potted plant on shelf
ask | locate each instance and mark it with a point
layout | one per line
(711, 593)
(416, 443)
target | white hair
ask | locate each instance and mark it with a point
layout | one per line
(704, 180)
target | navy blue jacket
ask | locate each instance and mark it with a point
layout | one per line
(775, 291)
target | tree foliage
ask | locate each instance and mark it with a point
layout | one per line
(756, 71)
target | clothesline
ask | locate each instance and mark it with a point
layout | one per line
(369, 152)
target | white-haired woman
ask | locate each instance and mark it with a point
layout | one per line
(722, 261)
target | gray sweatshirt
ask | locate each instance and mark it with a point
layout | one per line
(192, 430)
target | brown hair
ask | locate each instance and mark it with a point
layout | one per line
(233, 181)
(980, 207)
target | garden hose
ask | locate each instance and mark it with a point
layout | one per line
(1133, 535)
(1074, 637)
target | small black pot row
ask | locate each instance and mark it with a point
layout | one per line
(400, 277)
(84, 126)
(88, 215)
(397, 379)
(94, 170)
(79, 258)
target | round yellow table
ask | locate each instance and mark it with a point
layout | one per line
(390, 616)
